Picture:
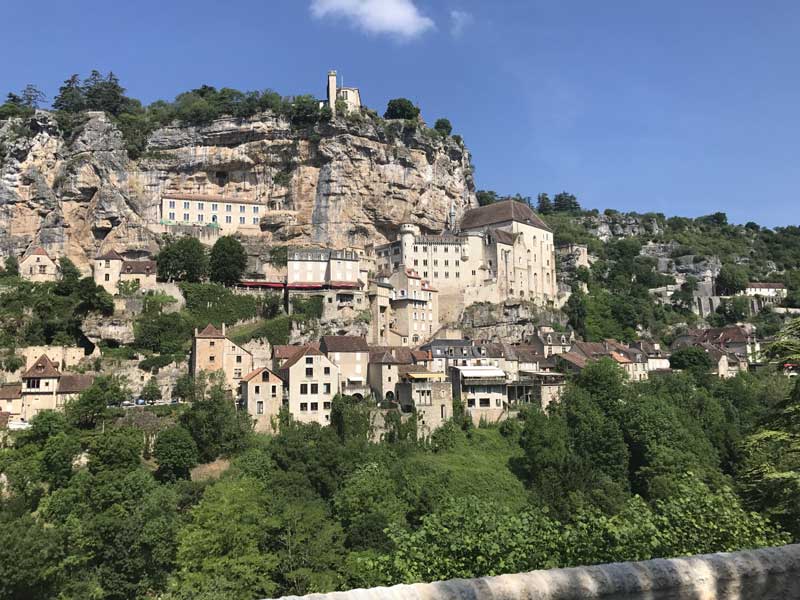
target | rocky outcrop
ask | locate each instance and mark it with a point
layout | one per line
(511, 322)
(115, 329)
(612, 224)
(343, 183)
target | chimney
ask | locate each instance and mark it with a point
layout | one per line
(195, 332)
(223, 329)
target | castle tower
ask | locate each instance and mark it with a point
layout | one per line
(332, 91)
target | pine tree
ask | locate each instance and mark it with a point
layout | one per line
(70, 96)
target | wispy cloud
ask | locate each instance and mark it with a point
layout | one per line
(400, 18)
(459, 21)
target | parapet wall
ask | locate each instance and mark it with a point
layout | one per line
(766, 574)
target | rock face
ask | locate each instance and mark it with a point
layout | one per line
(611, 225)
(510, 322)
(344, 183)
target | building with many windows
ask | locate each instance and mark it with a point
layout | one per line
(263, 394)
(110, 269)
(213, 351)
(230, 214)
(313, 381)
(503, 250)
(37, 265)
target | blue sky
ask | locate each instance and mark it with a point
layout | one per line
(676, 107)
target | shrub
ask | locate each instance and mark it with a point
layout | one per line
(443, 126)
(401, 108)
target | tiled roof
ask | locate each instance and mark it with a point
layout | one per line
(385, 358)
(74, 383)
(420, 355)
(574, 358)
(402, 354)
(10, 391)
(343, 343)
(504, 237)
(43, 367)
(501, 212)
(110, 255)
(39, 251)
(405, 369)
(209, 198)
(139, 267)
(210, 332)
(307, 350)
(766, 286)
(257, 372)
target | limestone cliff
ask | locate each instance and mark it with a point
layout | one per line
(343, 183)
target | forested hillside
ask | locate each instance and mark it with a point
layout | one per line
(618, 471)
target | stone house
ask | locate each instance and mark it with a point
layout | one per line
(313, 381)
(351, 354)
(547, 341)
(213, 351)
(735, 339)
(222, 213)
(11, 399)
(263, 394)
(426, 393)
(383, 375)
(37, 266)
(482, 390)
(350, 96)
(110, 269)
(415, 308)
(502, 250)
(657, 358)
(44, 387)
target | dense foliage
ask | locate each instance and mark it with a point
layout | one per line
(617, 471)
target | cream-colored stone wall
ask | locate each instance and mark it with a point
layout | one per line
(221, 354)
(38, 268)
(230, 215)
(311, 393)
(263, 397)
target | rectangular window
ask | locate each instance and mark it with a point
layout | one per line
(327, 370)
(228, 208)
(309, 371)
(274, 391)
(185, 206)
(200, 218)
(315, 388)
(212, 358)
(314, 406)
(241, 208)
(172, 216)
(237, 373)
(255, 210)
(326, 388)
(108, 277)
(172, 203)
(255, 220)
(309, 360)
(304, 388)
(304, 406)
(471, 403)
(239, 359)
(199, 206)
(185, 216)
(241, 220)
(228, 219)
(485, 403)
(214, 207)
(326, 405)
(258, 389)
(259, 408)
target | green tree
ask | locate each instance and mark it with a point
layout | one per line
(86, 410)
(565, 202)
(58, 455)
(304, 111)
(176, 454)
(115, 449)
(486, 197)
(151, 392)
(32, 97)
(215, 425)
(70, 96)
(443, 126)
(228, 261)
(30, 554)
(11, 266)
(104, 93)
(731, 280)
(691, 358)
(184, 259)
(543, 204)
(576, 311)
(401, 108)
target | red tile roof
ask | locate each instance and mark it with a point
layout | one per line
(343, 343)
(139, 267)
(42, 368)
(10, 391)
(110, 255)
(74, 383)
(210, 332)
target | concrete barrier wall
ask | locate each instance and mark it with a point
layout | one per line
(766, 574)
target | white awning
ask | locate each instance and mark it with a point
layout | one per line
(481, 371)
(356, 379)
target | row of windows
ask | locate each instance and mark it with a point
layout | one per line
(436, 248)
(201, 218)
(313, 388)
(314, 406)
(435, 263)
(483, 402)
(215, 207)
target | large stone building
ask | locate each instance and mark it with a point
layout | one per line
(110, 269)
(44, 387)
(349, 96)
(351, 354)
(213, 351)
(502, 250)
(228, 214)
(263, 394)
(313, 381)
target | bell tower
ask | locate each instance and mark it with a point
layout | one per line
(332, 91)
